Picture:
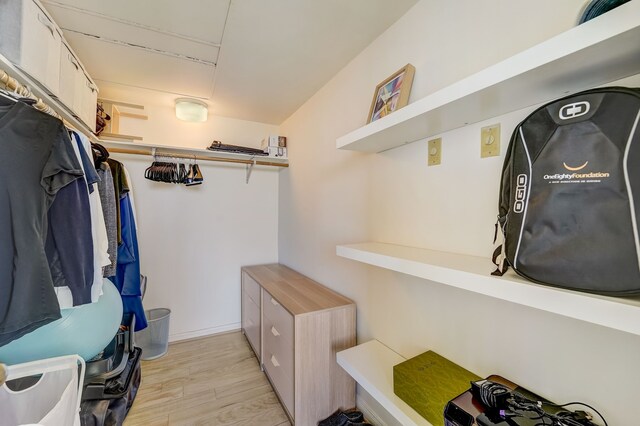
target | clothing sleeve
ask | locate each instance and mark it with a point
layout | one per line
(124, 182)
(62, 166)
(90, 173)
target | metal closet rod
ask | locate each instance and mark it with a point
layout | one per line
(24, 91)
(253, 160)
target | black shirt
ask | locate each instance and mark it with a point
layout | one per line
(36, 161)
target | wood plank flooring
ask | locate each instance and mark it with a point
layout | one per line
(209, 381)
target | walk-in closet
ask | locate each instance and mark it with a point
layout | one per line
(319, 213)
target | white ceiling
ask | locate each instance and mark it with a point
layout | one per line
(256, 60)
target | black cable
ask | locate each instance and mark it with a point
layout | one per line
(578, 403)
(493, 394)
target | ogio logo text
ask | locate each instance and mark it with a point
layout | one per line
(521, 193)
(574, 110)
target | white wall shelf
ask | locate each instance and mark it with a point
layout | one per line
(598, 52)
(371, 365)
(136, 147)
(473, 273)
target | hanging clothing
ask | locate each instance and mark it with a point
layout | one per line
(107, 199)
(121, 187)
(127, 278)
(98, 227)
(36, 162)
(69, 245)
(76, 248)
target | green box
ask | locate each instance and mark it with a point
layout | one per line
(428, 381)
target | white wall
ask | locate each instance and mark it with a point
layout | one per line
(163, 128)
(331, 197)
(193, 240)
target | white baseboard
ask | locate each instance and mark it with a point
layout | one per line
(176, 337)
(368, 412)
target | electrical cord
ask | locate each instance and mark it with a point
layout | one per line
(497, 396)
(581, 412)
(493, 394)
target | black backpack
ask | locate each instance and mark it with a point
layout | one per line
(570, 194)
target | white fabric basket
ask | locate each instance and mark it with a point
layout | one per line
(54, 400)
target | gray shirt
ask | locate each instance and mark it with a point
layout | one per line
(108, 200)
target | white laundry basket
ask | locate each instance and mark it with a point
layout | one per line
(154, 340)
(54, 398)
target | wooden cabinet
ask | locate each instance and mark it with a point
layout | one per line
(251, 313)
(302, 325)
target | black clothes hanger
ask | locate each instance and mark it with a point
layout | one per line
(100, 154)
(172, 172)
(7, 98)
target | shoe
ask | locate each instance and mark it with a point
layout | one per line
(198, 174)
(188, 180)
(196, 178)
(353, 416)
(344, 418)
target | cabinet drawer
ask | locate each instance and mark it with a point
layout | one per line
(251, 322)
(279, 316)
(282, 383)
(278, 345)
(251, 287)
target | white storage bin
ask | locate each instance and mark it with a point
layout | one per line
(89, 102)
(53, 399)
(31, 40)
(71, 80)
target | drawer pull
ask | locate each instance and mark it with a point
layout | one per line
(274, 361)
(44, 21)
(73, 62)
(274, 331)
(274, 302)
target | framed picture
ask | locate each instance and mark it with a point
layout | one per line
(392, 94)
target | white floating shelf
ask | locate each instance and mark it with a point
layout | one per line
(142, 148)
(473, 273)
(597, 52)
(371, 365)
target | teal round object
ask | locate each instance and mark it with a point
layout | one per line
(84, 330)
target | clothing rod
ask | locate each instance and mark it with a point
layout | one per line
(24, 91)
(197, 157)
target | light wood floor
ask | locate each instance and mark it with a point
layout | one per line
(210, 381)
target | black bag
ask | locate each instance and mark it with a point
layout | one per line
(567, 210)
(117, 397)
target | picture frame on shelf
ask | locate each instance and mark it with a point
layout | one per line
(392, 94)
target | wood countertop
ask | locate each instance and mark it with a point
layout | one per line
(298, 294)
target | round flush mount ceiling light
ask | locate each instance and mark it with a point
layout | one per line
(193, 110)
